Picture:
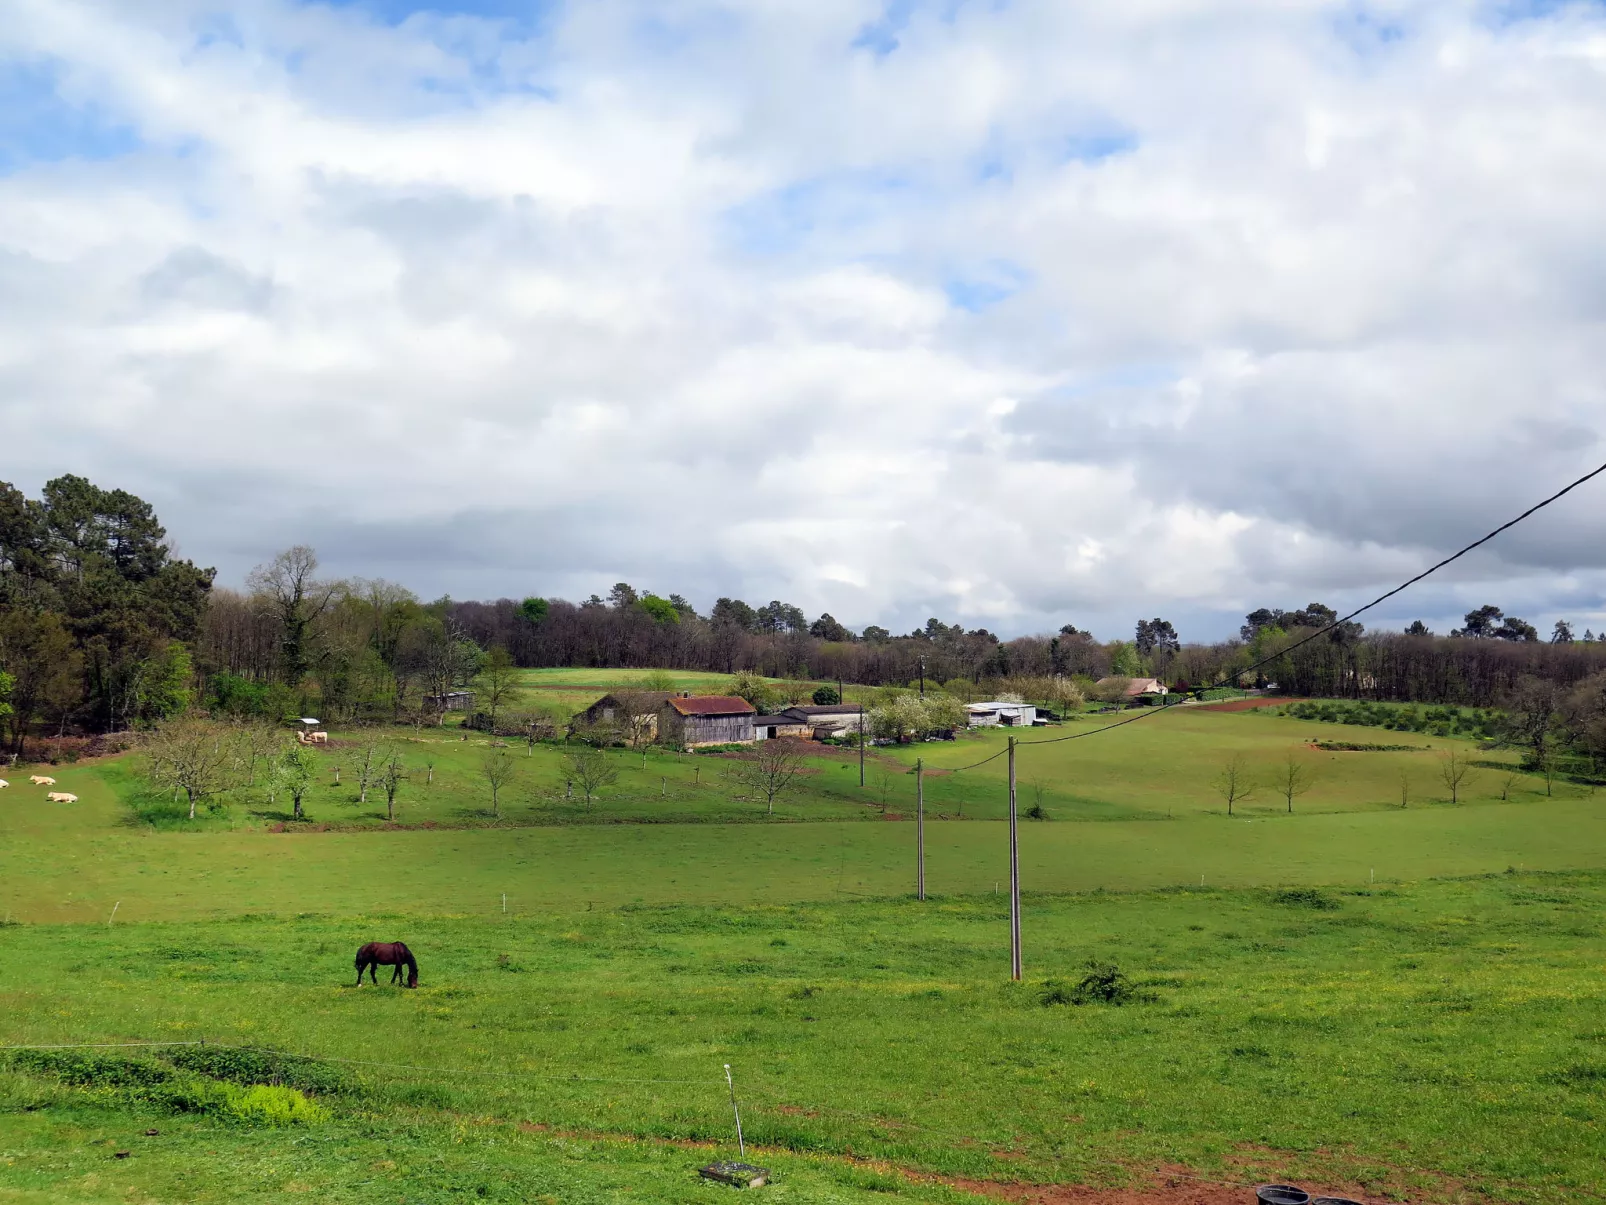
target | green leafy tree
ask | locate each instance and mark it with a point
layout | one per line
(535, 610)
(293, 772)
(661, 609)
(826, 696)
(1125, 661)
(497, 681)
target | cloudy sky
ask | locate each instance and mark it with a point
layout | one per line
(1008, 311)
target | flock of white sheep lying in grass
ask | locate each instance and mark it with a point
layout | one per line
(42, 780)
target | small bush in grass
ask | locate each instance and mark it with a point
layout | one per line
(271, 1104)
(1305, 897)
(1104, 983)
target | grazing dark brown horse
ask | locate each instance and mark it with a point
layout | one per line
(388, 954)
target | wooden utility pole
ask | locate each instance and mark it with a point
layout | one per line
(863, 736)
(920, 828)
(1014, 874)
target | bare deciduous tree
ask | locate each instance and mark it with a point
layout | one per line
(1294, 778)
(592, 769)
(391, 776)
(296, 598)
(193, 756)
(369, 759)
(1405, 787)
(637, 716)
(498, 767)
(1232, 782)
(770, 770)
(1454, 769)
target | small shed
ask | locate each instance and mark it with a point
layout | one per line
(768, 727)
(835, 719)
(452, 700)
(692, 720)
(1008, 715)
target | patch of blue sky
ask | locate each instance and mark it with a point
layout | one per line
(39, 125)
(1366, 32)
(1500, 13)
(1096, 146)
(833, 207)
(996, 281)
(659, 33)
(883, 35)
(522, 14)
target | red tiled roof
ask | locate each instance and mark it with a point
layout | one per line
(713, 705)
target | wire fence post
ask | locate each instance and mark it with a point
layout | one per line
(1014, 874)
(920, 828)
(741, 1146)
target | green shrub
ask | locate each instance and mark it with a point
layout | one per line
(1104, 983)
(1305, 897)
(92, 1070)
(247, 1066)
(271, 1104)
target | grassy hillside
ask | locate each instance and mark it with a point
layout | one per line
(1317, 1010)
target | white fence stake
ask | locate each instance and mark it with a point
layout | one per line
(741, 1145)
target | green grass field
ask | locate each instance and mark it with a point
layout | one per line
(1405, 1032)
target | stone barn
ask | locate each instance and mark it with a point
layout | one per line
(692, 720)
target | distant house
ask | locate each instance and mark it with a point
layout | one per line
(1009, 715)
(768, 727)
(452, 700)
(693, 720)
(618, 708)
(1146, 689)
(834, 719)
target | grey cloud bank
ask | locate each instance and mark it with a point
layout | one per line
(1010, 314)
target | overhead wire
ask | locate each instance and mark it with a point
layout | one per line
(1322, 631)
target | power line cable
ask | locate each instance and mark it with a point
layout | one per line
(1337, 623)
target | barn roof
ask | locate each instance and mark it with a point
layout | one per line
(833, 709)
(713, 705)
(655, 698)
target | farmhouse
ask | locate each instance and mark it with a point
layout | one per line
(1146, 689)
(706, 720)
(619, 708)
(1010, 715)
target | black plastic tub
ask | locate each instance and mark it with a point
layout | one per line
(1281, 1194)
(1334, 1201)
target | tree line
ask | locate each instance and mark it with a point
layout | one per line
(103, 627)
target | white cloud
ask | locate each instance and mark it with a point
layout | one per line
(1015, 314)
